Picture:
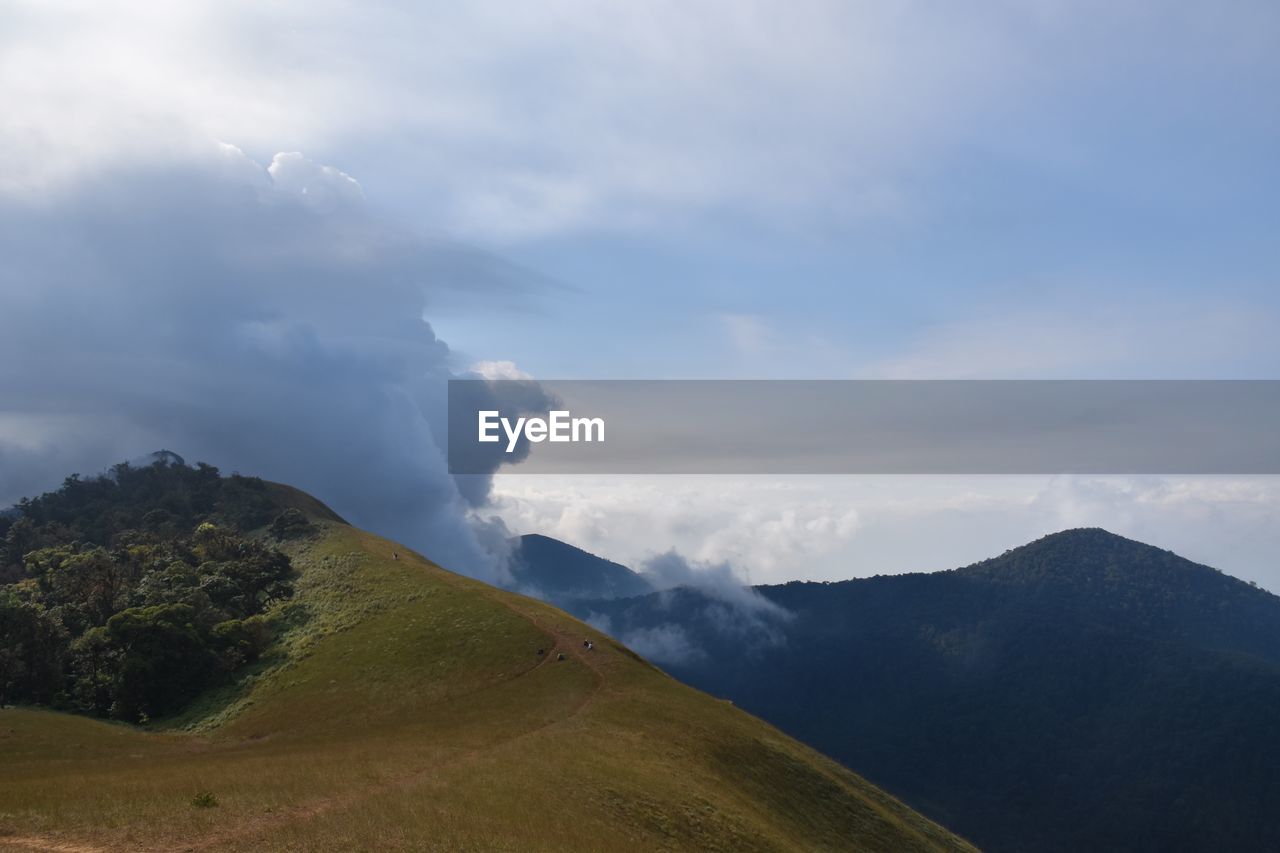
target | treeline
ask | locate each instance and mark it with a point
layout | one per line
(126, 595)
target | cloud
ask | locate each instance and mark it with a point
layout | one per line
(767, 528)
(493, 370)
(263, 320)
(726, 609)
(666, 644)
(697, 605)
(716, 580)
(775, 529)
(514, 122)
(320, 187)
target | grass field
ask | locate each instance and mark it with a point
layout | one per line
(407, 707)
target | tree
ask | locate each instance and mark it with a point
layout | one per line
(31, 645)
(129, 593)
(164, 660)
(290, 524)
(95, 662)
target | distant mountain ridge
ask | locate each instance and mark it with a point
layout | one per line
(562, 573)
(1081, 692)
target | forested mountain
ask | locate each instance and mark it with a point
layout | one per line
(1083, 692)
(558, 572)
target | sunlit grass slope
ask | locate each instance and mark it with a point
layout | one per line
(407, 707)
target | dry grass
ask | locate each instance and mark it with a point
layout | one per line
(406, 708)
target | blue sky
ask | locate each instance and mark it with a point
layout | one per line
(722, 189)
(1097, 175)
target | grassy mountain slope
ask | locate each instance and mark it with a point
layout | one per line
(406, 706)
(1082, 692)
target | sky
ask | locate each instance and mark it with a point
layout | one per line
(263, 235)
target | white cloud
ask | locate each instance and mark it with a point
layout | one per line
(670, 570)
(320, 187)
(774, 529)
(665, 644)
(493, 370)
(507, 121)
(759, 530)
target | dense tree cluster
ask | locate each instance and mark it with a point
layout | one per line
(126, 595)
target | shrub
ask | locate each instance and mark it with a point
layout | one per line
(204, 800)
(290, 524)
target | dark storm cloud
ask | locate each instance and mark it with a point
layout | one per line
(261, 320)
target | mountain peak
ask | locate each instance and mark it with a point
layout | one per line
(1079, 547)
(1090, 534)
(560, 572)
(1114, 571)
(1097, 537)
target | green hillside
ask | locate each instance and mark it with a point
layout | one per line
(404, 706)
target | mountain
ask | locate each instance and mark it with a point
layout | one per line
(390, 704)
(1083, 692)
(560, 573)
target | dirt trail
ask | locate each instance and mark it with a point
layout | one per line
(32, 842)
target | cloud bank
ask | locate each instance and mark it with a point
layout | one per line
(260, 319)
(775, 529)
(570, 115)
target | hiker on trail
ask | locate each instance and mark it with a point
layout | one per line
(590, 646)
(394, 555)
(561, 656)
